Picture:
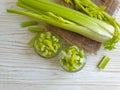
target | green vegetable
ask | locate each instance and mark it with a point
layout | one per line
(92, 10)
(71, 20)
(35, 29)
(103, 62)
(47, 44)
(28, 23)
(88, 7)
(72, 58)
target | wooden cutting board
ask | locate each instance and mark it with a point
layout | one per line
(76, 39)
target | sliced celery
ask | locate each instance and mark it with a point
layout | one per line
(28, 23)
(47, 44)
(71, 59)
(103, 62)
(35, 29)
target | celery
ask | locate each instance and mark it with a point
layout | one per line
(78, 18)
(103, 62)
(28, 23)
(47, 44)
(68, 26)
(69, 19)
(92, 10)
(35, 29)
(71, 59)
(29, 8)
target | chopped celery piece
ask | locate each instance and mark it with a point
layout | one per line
(103, 62)
(35, 29)
(28, 23)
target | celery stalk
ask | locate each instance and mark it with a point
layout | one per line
(68, 26)
(29, 8)
(35, 29)
(28, 23)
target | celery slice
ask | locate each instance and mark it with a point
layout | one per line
(103, 62)
(28, 23)
(35, 29)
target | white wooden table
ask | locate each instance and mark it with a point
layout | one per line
(22, 69)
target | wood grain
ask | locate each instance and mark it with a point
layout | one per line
(22, 69)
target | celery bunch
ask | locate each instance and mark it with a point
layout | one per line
(71, 20)
(91, 9)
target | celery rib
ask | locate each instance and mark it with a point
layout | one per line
(28, 23)
(28, 8)
(35, 29)
(71, 27)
